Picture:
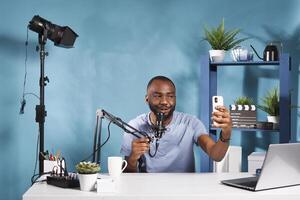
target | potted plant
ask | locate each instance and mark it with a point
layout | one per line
(221, 40)
(243, 113)
(270, 104)
(87, 175)
(243, 100)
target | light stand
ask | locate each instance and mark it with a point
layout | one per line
(62, 36)
(41, 112)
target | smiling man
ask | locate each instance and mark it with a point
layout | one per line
(173, 152)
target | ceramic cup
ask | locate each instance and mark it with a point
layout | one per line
(115, 166)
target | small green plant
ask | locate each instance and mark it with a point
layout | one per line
(244, 101)
(87, 168)
(270, 103)
(220, 39)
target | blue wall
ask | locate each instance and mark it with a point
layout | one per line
(121, 45)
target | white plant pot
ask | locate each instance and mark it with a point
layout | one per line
(273, 119)
(216, 55)
(87, 181)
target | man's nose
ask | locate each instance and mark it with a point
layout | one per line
(164, 99)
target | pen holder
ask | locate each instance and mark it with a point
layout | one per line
(50, 164)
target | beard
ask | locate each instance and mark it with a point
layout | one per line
(156, 109)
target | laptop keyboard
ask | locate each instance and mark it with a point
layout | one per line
(248, 183)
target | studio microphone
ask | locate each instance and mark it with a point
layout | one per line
(160, 129)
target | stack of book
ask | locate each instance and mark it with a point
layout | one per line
(243, 116)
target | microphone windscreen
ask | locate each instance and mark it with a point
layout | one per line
(160, 126)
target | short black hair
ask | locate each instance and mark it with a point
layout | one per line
(161, 78)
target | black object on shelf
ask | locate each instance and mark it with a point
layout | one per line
(267, 126)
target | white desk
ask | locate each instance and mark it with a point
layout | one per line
(172, 186)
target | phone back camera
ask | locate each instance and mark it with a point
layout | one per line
(216, 100)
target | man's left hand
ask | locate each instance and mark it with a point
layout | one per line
(221, 119)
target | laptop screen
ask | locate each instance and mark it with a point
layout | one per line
(281, 167)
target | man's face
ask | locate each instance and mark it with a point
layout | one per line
(161, 97)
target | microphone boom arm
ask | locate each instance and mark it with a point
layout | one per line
(100, 114)
(123, 125)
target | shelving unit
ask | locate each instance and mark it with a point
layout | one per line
(208, 88)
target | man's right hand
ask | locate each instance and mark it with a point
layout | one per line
(138, 148)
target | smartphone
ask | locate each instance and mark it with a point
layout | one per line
(216, 101)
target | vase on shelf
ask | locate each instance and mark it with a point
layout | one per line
(216, 55)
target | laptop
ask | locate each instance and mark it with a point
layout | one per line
(281, 168)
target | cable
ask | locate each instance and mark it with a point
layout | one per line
(156, 148)
(26, 56)
(36, 158)
(35, 177)
(33, 94)
(23, 100)
(108, 128)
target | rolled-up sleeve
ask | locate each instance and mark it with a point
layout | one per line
(127, 140)
(199, 129)
(126, 144)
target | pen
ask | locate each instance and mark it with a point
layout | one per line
(51, 157)
(57, 156)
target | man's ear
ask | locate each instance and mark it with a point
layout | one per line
(146, 98)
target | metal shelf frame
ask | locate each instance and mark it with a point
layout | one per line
(208, 88)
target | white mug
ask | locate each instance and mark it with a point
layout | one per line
(115, 166)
